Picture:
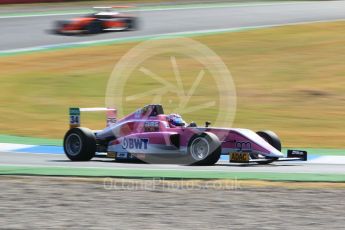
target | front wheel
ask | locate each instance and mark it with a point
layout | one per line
(204, 149)
(273, 139)
(132, 24)
(80, 144)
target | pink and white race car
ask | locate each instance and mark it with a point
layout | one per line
(153, 137)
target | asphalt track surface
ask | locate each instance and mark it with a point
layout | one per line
(47, 160)
(26, 32)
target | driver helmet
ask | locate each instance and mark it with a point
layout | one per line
(175, 120)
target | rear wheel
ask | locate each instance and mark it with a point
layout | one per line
(204, 149)
(80, 144)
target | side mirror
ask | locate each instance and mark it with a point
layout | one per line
(207, 123)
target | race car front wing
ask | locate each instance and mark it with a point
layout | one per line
(292, 155)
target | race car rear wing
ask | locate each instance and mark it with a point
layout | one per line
(110, 8)
(74, 115)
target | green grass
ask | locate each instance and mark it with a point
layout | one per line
(168, 174)
(288, 79)
(29, 140)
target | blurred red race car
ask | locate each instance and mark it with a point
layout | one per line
(105, 19)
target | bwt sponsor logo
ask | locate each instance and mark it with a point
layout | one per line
(135, 143)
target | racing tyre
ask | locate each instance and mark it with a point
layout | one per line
(271, 138)
(132, 24)
(204, 149)
(95, 27)
(80, 144)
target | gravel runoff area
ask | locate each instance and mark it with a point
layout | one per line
(81, 203)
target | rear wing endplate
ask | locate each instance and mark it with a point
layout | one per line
(74, 115)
